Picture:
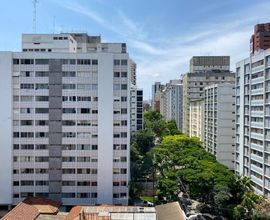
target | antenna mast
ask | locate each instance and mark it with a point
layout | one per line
(35, 15)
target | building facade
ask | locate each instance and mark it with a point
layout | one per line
(136, 111)
(156, 95)
(193, 89)
(260, 40)
(252, 156)
(207, 63)
(66, 120)
(219, 122)
(196, 110)
(171, 103)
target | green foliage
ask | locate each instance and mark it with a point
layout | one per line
(182, 157)
(143, 141)
(245, 210)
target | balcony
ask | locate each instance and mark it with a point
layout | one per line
(257, 158)
(256, 147)
(256, 169)
(257, 102)
(257, 124)
(257, 69)
(257, 113)
(257, 80)
(256, 135)
(257, 91)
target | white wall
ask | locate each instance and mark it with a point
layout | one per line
(5, 128)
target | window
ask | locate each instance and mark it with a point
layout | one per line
(42, 159)
(68, 123)
(83, 147)
(116, 87)
(68, 159)
(42, 110)
(42, 74)
(16, 61)
(94, 62)
(41, 170)
(69, 110)
(69, 147)
(83, 62)
(69, 183)
(116, 62)
(69, 134)
(94, 147)
(69, 86)
(27, 134)
(123, 98)
(94, 111)
(27, 86)
(42, 134)
(27, 170)
(42, 98)
(123, 111)
(26, 122)
(85, 110)
(124, 86)
(42, 86)
(42, 123)
(124, 123)
(123, 134)
(41, 147)
(124, 74)
(27, 61)
(27, 146)
(69, 74)
(27, 98)
(116, 74)
(123, 62)
(42, 61)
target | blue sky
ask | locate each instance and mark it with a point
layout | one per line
(161, 35)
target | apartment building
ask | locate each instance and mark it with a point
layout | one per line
(171, 102)
(65, 125)
(219, 122)
(208, 63)
(252, 157)
(136, 110)
(260, 40)
(196, 110)
(156, 95)
(194, 83)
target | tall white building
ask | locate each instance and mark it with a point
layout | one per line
(65, 125)
(253, 120)
(219, 122)
(171, 102)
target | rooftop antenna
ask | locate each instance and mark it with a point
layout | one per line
(35, 16)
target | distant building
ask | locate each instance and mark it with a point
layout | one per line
(194, 82)
(156, 95)
(136, 111)
(260, 40)
(171, 103)
(219, 122)
(208, 63)
(196, 110)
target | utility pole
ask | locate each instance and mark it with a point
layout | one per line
(35, 16)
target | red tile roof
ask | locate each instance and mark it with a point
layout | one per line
(31, 208)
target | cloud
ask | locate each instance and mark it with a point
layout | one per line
(162, 59)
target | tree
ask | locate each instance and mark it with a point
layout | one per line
(143, 140)
(245, 210)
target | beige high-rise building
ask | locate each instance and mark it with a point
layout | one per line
(194, 83)
(196, 121)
